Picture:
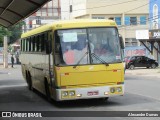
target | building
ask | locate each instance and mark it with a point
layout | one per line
(47, 14)
(154, 9)
(129, 15)
(151, 38)
(154, 28)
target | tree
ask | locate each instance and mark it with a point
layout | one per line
(14, 32)
(3, 32)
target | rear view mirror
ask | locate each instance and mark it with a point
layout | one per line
(121, 42)
(48, 47)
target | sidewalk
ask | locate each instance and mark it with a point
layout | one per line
(9, 66)
(11, 77)
(144, 72)
(16, 68)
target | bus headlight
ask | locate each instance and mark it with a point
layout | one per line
(72, 93)
(119, 89)
(64, 93)
(112, 90)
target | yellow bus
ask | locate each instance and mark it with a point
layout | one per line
(74, 59)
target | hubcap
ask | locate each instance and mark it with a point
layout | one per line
(132, 67)
(153, 66)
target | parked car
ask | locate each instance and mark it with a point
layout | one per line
(140, 61)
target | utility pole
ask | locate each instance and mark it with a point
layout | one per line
(123, 28)
(5, 53)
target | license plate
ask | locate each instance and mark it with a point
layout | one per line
(90, 93)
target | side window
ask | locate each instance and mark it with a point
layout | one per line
(127, 20)
(40, 43)
(30, 45)
(22, 45)
(118, 20)
(58, 48)
(133, 20)
(50, 39)
(57, 43)
(27, 41)
(132, 58)
(144, 58)
(140, 58)
(34, 44)
(43, 42)
(143, 20)
(37, 43)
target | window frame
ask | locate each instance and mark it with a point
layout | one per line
(133, 20)
(143, 20)
(117, 22)
(33, 45)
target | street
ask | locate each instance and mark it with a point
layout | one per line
(83, 39)
(141, 94)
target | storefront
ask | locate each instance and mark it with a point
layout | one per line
(152, 44)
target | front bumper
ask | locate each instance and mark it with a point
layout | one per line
(90, 92)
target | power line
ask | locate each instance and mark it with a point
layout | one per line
(139, 7)
(136, 8)
(144, 20)
(124, 12)
(105, 5)
(118, 4)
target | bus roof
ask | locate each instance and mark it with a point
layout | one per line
(66, 24)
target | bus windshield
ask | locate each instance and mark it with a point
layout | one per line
(87, 46)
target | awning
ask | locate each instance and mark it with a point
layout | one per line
(12, 11)
(149, 36)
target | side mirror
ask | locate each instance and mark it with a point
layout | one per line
(121, 42)
(48, 47)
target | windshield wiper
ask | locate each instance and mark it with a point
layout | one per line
(80, 59)
(98, 58)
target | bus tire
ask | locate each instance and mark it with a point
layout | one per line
(104, 99)
(29, 79)
(48, 95)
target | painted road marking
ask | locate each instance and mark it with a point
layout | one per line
(9, 86)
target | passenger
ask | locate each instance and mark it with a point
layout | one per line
(69, 56)
(93, 42)
(79, 53)
(99, 50)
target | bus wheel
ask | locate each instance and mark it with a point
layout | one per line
(29, 79)
(47, 91)
(104, 99)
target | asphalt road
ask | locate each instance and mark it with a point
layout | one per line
(141, 94)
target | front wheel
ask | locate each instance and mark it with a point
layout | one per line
(104, 99)
(131, 67)
(153, 66)
(29, 81)
(47, 91)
